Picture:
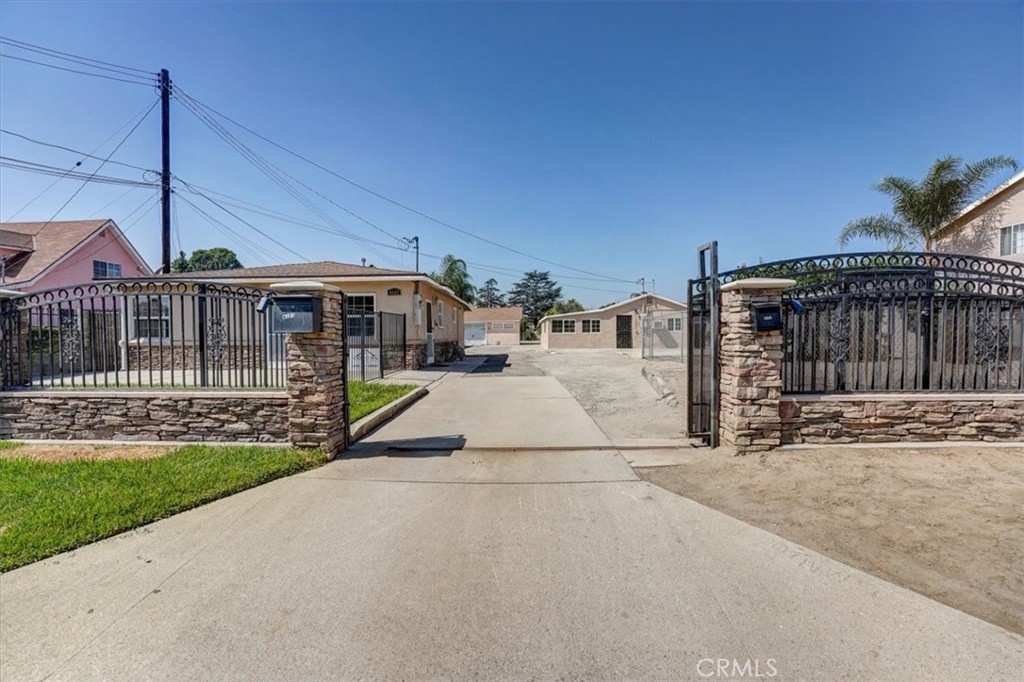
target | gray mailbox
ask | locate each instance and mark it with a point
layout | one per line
(767, 317)
(290, 314)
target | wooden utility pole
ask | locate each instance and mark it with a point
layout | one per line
(165, 170)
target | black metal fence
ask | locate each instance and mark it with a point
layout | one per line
(376, 345)
(900, 322)
(140, 334)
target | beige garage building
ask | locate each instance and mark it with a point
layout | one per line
(493, 326)
(619, 325)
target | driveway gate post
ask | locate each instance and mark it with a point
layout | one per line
(751, 368)
(316, 384)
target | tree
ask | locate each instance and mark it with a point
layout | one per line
(489, 296)
(921, 209)
(454, 275)
(562, 306)
(217, 258)
(537, 293)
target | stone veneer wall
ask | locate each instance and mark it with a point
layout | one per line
(248, 417)
(901, 418)
(317, 413)
(444, 351)
(184, 355)
(750, 364)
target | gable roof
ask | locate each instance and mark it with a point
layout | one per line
(45, 244)
(328, 270)
(620, 304)
(981, 205)
(514, 313)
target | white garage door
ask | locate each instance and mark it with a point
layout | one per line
(476, 334)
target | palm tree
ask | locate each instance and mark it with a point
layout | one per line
(921, 209)
(454, 275)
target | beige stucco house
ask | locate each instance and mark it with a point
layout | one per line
(434, 315)
(992, 227)
(493, 326)
(618, 325)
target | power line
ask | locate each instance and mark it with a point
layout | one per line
(402, 205)
(86, 155)
(124, 125)
(152, 201)
(244, 222)
(249, 246)
(236, 202)
(67, 56)
(98, 168)
(44, 169)
(269, 169)
(112, 202)
(78, 71)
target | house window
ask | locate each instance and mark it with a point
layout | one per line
(563, 326)
(440, 313)
(102, 269)
(1011, 240)
(591, 326)
(153, 317)
(361, 320)
(675, 324)
(455, 315)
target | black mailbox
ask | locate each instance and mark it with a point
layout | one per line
(767, 317)
(296, 314)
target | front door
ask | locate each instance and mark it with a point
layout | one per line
(430, 333)
(623, 331)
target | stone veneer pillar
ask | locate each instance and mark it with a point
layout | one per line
(317, 417)
(751, 368)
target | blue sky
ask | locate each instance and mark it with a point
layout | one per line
(612, 138)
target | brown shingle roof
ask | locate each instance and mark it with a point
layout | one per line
(325, 268)
(50, 241)
(494, 314)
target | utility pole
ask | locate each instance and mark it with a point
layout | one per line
(165, 169)
(415, 241)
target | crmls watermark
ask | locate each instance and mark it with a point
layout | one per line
(729, 668)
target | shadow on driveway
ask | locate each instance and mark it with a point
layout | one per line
(430, 446)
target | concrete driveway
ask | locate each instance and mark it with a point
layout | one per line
(533, 552)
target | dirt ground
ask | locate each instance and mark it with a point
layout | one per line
(945, 522)
(58, 453)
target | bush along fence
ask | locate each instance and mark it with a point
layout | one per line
(183, 362)
(872, 348)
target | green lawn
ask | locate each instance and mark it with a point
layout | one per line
(51, 507)
(365, 398)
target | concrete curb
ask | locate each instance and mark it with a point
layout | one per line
(660, 386)
(384, 414)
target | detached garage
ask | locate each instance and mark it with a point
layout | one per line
(493, 326)
(619, 325)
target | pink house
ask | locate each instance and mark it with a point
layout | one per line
(47, 255)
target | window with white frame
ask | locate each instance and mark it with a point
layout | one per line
(675, 324)
(440, 313)
(153, 317)
(1011, 240)
(455, 315)
(591, 326)
(360, 312)
(102, 269)
(563, 326)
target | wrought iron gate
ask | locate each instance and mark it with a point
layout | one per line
(702, 347)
